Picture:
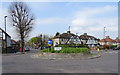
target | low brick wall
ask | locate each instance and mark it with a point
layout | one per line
(62, 55)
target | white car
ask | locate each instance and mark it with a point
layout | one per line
(27, 49)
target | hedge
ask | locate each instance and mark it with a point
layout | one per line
(67, 50)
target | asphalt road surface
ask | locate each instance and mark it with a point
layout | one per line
(23, 63)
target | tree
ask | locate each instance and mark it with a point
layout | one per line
(57, 34)
(35, 40)
(40, 40)
(22, 19)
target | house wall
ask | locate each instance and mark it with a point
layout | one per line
(114, 43)
(84, 41)
(118, 44)
(8, 39)
(56, 41)
(108, 43)
(63, 40)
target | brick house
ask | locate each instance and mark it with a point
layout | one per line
(117, 41)
(108, 41)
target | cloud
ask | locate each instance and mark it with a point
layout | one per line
(92, 20)
(39, 6)
(48, 21)
(93, 11)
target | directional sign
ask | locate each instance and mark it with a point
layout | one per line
(57, 48)
(50, 41)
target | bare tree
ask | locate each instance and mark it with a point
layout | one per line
(22, 19)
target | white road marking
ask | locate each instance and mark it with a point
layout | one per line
(112, 52)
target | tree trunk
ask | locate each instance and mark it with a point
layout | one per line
(22, 42)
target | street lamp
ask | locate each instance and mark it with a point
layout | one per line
(41, 41)
(5, 34)
(5, 22)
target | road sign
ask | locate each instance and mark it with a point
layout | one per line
(57, 48)
(50, 41)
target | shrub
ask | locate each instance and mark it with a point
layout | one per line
(72, 45)
(105, 46)
(63, 45)
(109, 46)
(112, 46)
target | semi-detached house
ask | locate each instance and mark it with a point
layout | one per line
(68, 38)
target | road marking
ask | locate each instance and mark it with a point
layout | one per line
(112, 52)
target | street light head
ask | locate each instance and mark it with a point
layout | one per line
(5, 16)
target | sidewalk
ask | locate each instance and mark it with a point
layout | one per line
(17, 53)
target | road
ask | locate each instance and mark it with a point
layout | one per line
(23, 63)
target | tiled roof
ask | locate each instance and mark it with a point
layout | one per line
(65, 35)
(117, 40)
(14, 42)
(86, 37)
(107, 39)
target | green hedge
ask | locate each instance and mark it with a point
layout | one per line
(71, 45)
(112, 46)
(67, 50)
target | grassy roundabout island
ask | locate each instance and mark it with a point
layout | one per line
(67, 50)
(65, 53)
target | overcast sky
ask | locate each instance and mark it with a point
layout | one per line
(83, 17)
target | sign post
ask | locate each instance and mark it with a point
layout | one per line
(50, 43)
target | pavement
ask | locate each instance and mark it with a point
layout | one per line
(23, 63)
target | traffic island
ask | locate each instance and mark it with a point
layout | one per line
(65, 53)
(53, 56)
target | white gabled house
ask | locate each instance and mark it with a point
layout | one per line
(70, 38)
(66, 38)
(88, 40)
(74, 39)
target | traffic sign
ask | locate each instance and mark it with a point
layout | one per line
(50, 41)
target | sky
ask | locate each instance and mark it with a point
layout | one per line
(82, 17)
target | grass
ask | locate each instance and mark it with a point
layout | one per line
(67, 50)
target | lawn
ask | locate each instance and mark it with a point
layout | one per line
(67, 50)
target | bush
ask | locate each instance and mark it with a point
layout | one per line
(63, 45)
(72, 45)
(109, 46)
(105, 46)
(112, 46)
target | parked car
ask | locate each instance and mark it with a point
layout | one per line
(41, 48)
(116, 48)
(27, 49)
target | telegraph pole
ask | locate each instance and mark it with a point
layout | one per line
(69, 28)
(76, 40)
(104, 33)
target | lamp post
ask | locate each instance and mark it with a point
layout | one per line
(5, 22)
(5, 33)
(41, 41)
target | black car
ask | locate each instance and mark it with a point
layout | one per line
(116, 48)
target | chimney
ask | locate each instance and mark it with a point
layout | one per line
(68, 32)
(85, 33)
(107, 37)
